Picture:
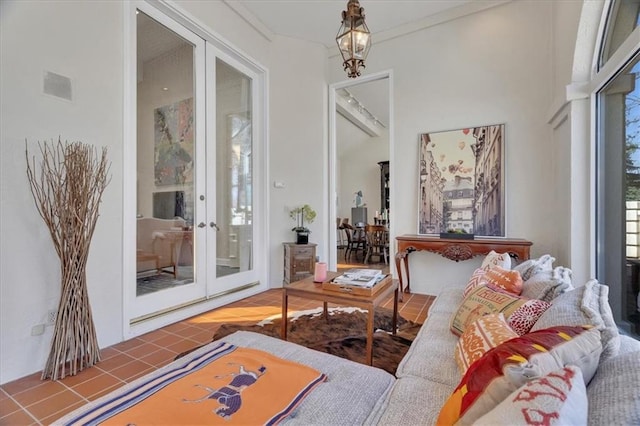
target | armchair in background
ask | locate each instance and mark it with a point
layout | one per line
(159, 243)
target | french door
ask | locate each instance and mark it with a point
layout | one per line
(195, 149)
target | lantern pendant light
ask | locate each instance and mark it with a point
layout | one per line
(354, 39)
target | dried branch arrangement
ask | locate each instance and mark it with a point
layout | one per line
(67, 193)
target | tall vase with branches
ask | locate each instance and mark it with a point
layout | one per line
(67, 194)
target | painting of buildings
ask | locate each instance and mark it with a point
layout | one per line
(461, 181)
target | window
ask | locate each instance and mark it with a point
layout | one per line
(618, 166)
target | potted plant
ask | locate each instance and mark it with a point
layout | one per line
(301, 215)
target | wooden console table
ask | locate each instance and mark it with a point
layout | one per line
(455, 249)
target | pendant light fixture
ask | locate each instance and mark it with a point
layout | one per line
(354, 39)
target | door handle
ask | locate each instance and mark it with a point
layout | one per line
(201, 225)
(213, 225)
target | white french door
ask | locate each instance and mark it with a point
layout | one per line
(195, 132)
(232, 108)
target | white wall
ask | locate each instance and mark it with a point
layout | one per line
(298, 151)
(84, 40)
(81, 40)
(495, 66)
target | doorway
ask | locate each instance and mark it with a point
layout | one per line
(360, 178)
(197, 115)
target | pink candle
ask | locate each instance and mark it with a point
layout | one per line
(320, 272)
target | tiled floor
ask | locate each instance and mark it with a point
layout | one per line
(31, 401)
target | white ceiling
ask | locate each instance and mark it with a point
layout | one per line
(318, 20)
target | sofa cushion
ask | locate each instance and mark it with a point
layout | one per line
(560, 397)
(547, 285)
(414, 401)
(530, 267)
(614, 392)
(433, 346)
(587, 304)
(493, 259)
(521, 313)
(507, 367)
(485, 333)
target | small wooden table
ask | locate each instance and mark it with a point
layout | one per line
(455, 249)
(308, 289)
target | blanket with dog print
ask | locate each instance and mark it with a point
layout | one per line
(223, 384)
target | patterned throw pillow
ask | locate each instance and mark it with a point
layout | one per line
(521, 313)
(505, 279)
(477, 279)
(515, 362)
(485, 333)
(559, 398)
(493, 259)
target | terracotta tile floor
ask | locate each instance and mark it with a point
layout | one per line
(31, 401)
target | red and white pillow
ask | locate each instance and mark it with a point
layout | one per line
(558, 398)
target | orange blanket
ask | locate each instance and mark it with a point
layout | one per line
(224, 385)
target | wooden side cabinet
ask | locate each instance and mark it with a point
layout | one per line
(299, 261)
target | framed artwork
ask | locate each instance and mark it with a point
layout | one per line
(173, 143)
(461, 182)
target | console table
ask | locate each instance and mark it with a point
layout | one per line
(455, 249)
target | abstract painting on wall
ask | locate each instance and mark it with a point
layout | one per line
(461, 182)
(173, 137)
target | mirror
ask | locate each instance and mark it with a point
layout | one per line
(360, 149)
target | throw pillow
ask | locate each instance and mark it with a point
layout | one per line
(515, 362)
(505, 279)
(493, 259)
(485, 333)
(547, 285)
(587, 304)
(477, 279)
(559, 398)
(521, 313)
(530, 267)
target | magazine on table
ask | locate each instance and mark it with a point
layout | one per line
(360, 277)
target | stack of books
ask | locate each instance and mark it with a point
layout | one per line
(360, 277)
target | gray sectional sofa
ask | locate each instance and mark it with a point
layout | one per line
(428, 374)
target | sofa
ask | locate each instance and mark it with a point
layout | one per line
(571, 361)
(428, 374)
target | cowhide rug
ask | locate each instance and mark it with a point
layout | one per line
(343, 335)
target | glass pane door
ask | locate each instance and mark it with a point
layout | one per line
(233, 180)
(168, 110)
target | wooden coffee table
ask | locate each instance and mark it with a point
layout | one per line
(307, 289)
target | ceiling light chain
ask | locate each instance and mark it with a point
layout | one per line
(354, 39)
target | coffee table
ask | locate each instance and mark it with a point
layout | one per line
(308, 289)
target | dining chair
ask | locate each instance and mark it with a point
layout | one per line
(356, 241)
(377, 243)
